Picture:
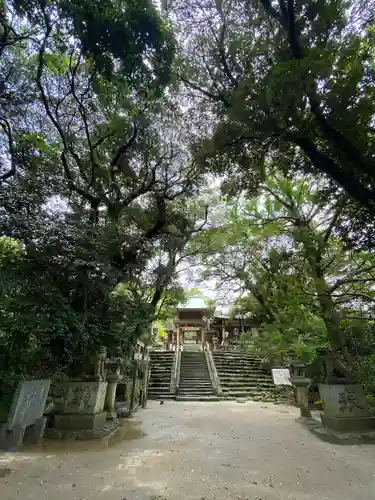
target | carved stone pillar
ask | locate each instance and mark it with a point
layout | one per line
(113, 376)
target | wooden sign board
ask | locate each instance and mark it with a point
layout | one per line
(281, 376)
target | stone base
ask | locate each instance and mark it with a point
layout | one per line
(18, 435)
(75, 422)
(336, 437)
(348, 424)
(105, 432)
(348, 438)
(34, 433)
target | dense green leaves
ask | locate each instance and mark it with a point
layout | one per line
(95, 182)
(115, 115)
(283, 78)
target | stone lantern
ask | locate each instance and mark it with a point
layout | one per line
(114, 375)
(301, 383)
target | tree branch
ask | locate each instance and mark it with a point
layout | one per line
(5, 125)
(125, 146)
(334, 219)
(352, 278)
(346, 180)
(341, 143)
(217, 98)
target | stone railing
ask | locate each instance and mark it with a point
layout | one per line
(178, 364)
(213, 372)
(174, 372)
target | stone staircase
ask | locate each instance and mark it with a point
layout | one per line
(195, 381)
(241, 376)
(161, 365)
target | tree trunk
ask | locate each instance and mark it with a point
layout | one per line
(314, 253)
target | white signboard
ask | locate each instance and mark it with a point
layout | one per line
(281, 376)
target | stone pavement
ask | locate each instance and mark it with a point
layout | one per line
(196, 451)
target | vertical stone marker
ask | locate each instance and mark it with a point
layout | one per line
(345, 408)
(25, 419)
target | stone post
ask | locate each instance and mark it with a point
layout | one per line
(113, 366)
(301, 383)
(303, 398)
(178, 337)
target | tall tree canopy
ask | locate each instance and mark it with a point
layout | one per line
(96, 179)
(120, 121)
(282, 77)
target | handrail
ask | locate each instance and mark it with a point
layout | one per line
(172, 385)
(213, 372)
(178, 365)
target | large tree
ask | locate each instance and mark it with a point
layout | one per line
(96, 178)
(281, 77)
(282, 251)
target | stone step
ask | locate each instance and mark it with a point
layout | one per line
(238, 359)
(247, 374)
(247, 387)
(246, 381)
(253, 392)
(235, 364)
(193, 368)
(196, 374)
(243, 355)
(192, 397)
(161, 367)
(194, 383)
(158, 394)
(231, 383)
(195, 379)
(157, 397)
(162, 354)
(197, 387)
(239, 366)
(196, 392)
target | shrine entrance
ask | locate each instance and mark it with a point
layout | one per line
(191, 338)
(190, 326)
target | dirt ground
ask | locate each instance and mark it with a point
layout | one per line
(195, 451)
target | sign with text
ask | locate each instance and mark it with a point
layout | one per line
(281, 376)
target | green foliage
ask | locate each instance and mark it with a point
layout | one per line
(278, 87)
(95, 181)
(130, 31)
(123, 38)
(300, 286)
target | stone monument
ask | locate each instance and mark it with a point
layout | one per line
(26, 422)
(83, 407)
(80, 405)
(345, 408)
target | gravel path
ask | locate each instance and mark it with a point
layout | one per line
(196, 451)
